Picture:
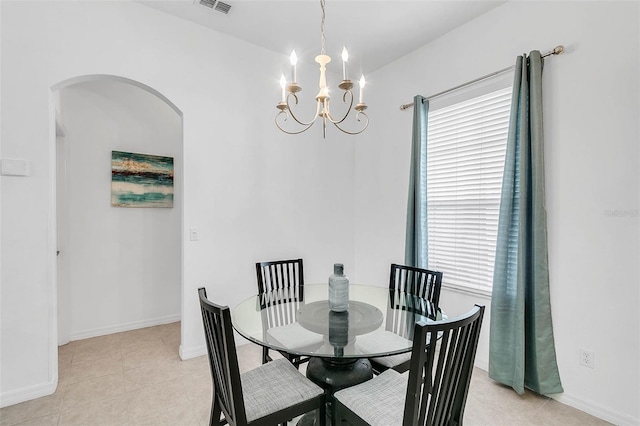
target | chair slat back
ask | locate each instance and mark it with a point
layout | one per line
(279, 275)
(414, 290)
(281, 290)
(279, 307)
(223, 359)
(420, 282)
(405, 310)
(441, 366)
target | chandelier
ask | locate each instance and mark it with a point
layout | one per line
(289, 92)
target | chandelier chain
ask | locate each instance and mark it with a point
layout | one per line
(322, 38)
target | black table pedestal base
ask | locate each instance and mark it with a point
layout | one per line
(333, 375)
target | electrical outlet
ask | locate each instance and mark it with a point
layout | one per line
(587, 358)
(194, 235)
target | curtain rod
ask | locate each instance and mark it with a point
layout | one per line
(558, 50)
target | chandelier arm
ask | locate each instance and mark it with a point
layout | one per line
(348, 109)
(302, 123)
(307, 127)
(358, 119)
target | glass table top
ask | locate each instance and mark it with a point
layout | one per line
(378, 322)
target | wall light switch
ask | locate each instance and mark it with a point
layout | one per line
(14, 167)
(193, 234)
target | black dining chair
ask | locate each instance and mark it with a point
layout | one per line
(268, 395)
(281, 285)
(433, 393)
(411, 281)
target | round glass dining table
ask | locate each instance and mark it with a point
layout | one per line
(378, 322)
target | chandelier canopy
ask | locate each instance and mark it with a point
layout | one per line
(289, 92)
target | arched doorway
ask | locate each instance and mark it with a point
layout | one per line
(118, 268)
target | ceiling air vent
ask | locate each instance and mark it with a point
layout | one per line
(222, 7)
(216, 5)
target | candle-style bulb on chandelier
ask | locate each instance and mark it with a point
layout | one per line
(289, 92)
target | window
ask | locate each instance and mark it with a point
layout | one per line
(466, 146)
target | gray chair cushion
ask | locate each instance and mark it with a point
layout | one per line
(295, 337)
(373, 342)
(381, 341)
(393, 360)
(274, 386)
(379, 401)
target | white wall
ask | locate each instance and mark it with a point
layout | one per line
(591, 103)
(256, 194)
(253, 192)
(130, 258)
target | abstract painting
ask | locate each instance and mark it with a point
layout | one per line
(141, 180)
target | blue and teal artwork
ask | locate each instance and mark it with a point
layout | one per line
(141, 180)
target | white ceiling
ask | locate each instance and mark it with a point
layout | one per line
(375, 32)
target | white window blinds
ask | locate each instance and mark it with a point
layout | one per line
(466, 146)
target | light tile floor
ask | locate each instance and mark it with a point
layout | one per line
(136, 378)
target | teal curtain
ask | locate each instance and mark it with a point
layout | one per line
(415, 253)
(522, 349)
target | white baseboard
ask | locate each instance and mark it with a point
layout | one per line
(482, 364)
(85, 334)
(192, 352)
(27, 393)
(596, 410)
(582, 404)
